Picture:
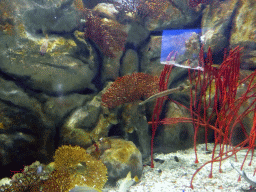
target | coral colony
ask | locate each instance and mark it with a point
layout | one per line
(210, 87)
(108, 37)
(221, 82)
(226, 106)
(130, 88)
(73, 166)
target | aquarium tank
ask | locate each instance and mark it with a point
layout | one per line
(127, 95)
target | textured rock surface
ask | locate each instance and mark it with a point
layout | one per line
(135, 127)
(122, 157)
(87, 124)
(130, 63)
(216, 22)
(55, 73)
(48, 17)
(243, 33)
(175, 14)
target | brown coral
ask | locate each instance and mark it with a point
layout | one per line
(59, 180)
(106, 34)
(30, 179)
(152, 8)
(75, 167)
(6, 17)
(142, 8)
(130, 88)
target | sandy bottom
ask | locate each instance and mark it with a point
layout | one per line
(177, 169)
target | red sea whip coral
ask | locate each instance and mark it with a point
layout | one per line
(226, 106)
(163, 81)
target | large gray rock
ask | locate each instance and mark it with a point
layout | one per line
(50, 16)
(57, 72)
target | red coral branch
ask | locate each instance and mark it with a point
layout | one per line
(163, 81)
(216, 88)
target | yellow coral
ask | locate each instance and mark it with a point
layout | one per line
(1, 126)
(83, 168)
(59, 181)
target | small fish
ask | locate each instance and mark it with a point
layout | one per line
(126, 183)
(83, 189)
(44, 46)
(39, 169)
(251, 180)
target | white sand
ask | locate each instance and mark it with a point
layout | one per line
(176, 176)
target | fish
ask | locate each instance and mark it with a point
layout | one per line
(125, 183)
(251, 180)
(84, 189)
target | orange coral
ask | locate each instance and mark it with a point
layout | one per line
(130, 88)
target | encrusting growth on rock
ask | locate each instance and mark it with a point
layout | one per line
(76, 167)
